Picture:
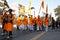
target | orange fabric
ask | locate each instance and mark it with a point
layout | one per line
(1, 16)
(19, 21)
(8, 27)
(13, 17)
(39, 22)
(5, 26)
(42, 4)
(25, 21)
(31, 21)
(46, 21)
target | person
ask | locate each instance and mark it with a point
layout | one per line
(46, 22)
(56, 23)
(9, 25)
(39, 23)
(25, 22)
(31, 23)
(35, 25)
(19, 22)
(4, 18)
(53, 24)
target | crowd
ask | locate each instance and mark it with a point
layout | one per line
(30, 23)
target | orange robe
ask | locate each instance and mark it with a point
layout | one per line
(25, 21)
(19, 21)
(46, 21)
(31, 21)
(9, 25)
(39, 22)
(5, 26)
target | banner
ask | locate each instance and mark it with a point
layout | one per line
(42, 4)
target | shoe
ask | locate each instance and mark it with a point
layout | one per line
(53, 30)
(11, 36)
(46, 30)
(2, 34)
(8, 37)
(5, 33)
(37, 30)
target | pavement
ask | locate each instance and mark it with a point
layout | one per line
(34, 35)
(51, 35)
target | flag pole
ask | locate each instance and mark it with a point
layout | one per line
(39, 9)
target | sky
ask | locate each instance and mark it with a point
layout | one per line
(52, 4)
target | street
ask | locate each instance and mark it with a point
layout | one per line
(34, 35)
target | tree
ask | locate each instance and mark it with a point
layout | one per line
(57, 11)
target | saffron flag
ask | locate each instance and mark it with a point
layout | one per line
(42, 4)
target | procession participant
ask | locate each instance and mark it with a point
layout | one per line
(25, 22)
(46, 22)
(35, 25)
(10, 18)
(19, 22)
(4, 18)
(31, 23)
(53, 24)
(39, 23)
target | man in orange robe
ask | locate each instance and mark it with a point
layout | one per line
(46, 22)
(9, 24)
(39, 23)
(31, 23)
(25, 22)
(19, 22)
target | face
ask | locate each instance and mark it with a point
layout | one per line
(38, 16)
(12, 12)
(7, 13)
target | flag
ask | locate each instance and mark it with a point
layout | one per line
(42, 4)
(20, 5)
(22, 9)
(39, 9)
(46, 8)
(29, 7)
(30, 3)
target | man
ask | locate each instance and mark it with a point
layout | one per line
(10, 18)
(39, 23)
(35, 25)
(46, 22)
(4, 18)
(19, 22)
(53, 24)
(25, 22)
(31, 23)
